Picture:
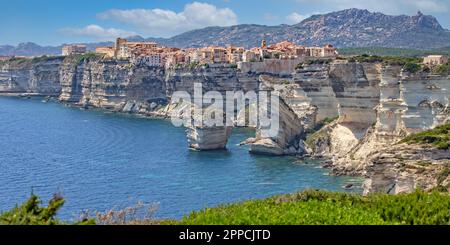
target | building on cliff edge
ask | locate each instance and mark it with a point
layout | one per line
(73, 49)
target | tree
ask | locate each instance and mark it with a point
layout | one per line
(31, 213)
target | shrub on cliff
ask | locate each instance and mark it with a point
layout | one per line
(385, 60)
(439, 137)
(31, 213)
(193, 65)
(442, 69)
(78, 59)
(411, 67)
(315, 207)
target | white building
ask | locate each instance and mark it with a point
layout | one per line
(73, 49)
(124, 52)
(435, 60)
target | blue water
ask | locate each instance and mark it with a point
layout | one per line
(99, 160)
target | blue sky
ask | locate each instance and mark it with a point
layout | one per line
(52, 22)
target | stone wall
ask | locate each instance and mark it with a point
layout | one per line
(271, 66)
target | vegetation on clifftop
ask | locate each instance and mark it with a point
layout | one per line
(23, 61)
(80, 58)
(315, 207)
(439, 137)
(442, 69)
(310, 207)
(386, 60)
(383, 51)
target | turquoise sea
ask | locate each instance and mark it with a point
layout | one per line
(100, 160)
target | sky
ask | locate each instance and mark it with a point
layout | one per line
(53, 22)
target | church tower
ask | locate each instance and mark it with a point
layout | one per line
(264, 44)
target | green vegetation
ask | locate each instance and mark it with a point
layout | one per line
(410, 64)
(328, 120)
(386, 60)
(193, 65)
(14, 60)
(310, 207)
(31, 213)
(315, 207)
(442, 69)
(234, 66)
(318, 132)
(443, 175)
(45, 59)
(21, 61)
(321, 135)
(313, 62)
(380, 51)
(439, 137)
(299, 66)
(411, 67)
(80, 58)
(318, 62)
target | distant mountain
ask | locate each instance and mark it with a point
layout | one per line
(28, 49)
(32, 49)
(346, 28)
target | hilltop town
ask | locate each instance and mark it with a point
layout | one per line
(152, 54)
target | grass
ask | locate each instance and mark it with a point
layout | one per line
(439, 137)
(313, 207)
(310, 207)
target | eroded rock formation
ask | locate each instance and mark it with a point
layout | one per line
(402, 168)
(370, 106)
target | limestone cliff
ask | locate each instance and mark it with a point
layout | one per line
(402, 168)
(376, 107)
(365, 106)
(33, 76)
(112, 84)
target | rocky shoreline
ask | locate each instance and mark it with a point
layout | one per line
(351, 113)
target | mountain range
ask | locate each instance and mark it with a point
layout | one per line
(346, 28)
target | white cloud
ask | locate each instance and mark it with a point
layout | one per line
(97, 32)
(386, 6)
(161, 22)
(295, 18)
